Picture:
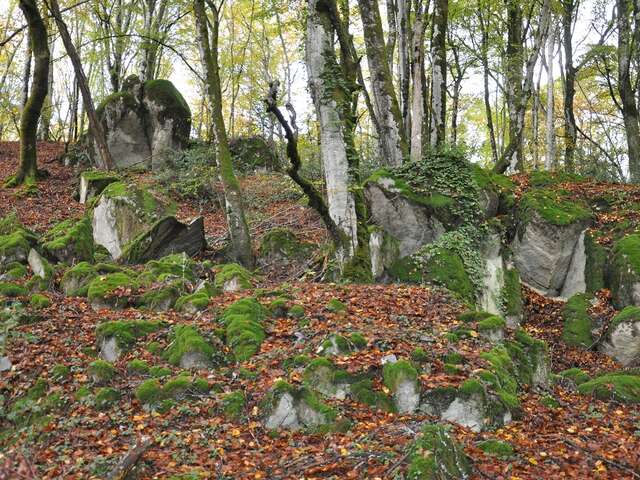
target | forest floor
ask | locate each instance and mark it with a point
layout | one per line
(581, 438)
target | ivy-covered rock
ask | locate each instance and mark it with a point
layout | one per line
(112, 290)
(93, 182)
(123, 212)
(622, 340)
(290, 408)
(243, 327)
(232, 278)
(436, 455)
(166, 236)
(549, 228)
(70, 241)
(144, 123)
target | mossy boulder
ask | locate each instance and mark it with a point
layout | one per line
(322, 376)
(577, 323)
(117, 336)
(42, 271)
(253, 153)
(436, 455)
(492, 328)
(622, 340)
(549, 228)
(39, 301)
(106, 397)
(342, 344)
(70, 241)
(15, 241)
(101, 371)
(13, 271)
(244, 331)
(624, 272)
(618, 386)
(232, 278)
(188, 349)
(193, 302)
(93, 182)
(401, 378)
(161, 297)
(123, 212)
(291, 408)
(112, 290)
(12, 290)
(144, 123)
(75, 281)
(496, 448)
(281, 246)
(575, 376)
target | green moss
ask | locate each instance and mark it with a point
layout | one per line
(575, 375)
(138, 366)
(39, 301)
(126, 332)
(233, 271)
(474, 316)
(595, 264)
(106, 397)
(419, 355)
(101, 371)
(544, 178)
(196, 301)
(400, 371)
(511, 294)
(496, 448)
(577, 323)
(32, 407)
(244, 331)
(309, 397)
(364, 392)
(12, 290)
(82, 392)
(454, 358)
(613, 386)
(296, 311)
(158, 371)
(174, 106)
(554, 207)
(358, 340)
(629, 314)
(233, 404)
(125, 97)
(149, 392)
(70, 240)
(60, 371)
(147, 206)
(104, 287)
(80, 276)
(177, 265)
(549, 402)
(177, 387)
(279, 307)
(336, 306)
(154, 347)
(162, 297)
(435, 455)
(186, 339)
(624, 269)
(15, 271)
(491, 323)
(201, 385)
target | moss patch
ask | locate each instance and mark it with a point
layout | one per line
(106, 397)
(233, 405)
(496, 448)
(103, 289)
(101, 371)
(577, 323)
(126, 332)
(39, 301)
(70, 241)
(186, 339)
(8, 289)
(436, 455)
(233, 271)
(398, 372)
(243, 327)
(575, 375)
(613, 386)
(554, 207)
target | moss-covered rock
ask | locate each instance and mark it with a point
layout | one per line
(188, 349)
(435, 455)
(233, 277)
(624, 272)
(575, 376)
(138, 367)
(43, 272)
(322, 376)
(162, 297)
(39, 301)
(613, 386)
(75, 281)
(553, 207)
(11, 290)
(233, 405)
(621, 340)
(577, 323)
(93, 182)
(15, 240)
(70, 241)
(253, 153)
(194, 302)
(112, 290)
(342, 344)
(363, 391)
(101, 371)
(243, 327)
(336, 306)
(114, 337)
(401, 378)
(595, 269)
(13, 271)
(280, 245)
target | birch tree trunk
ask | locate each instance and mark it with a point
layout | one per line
(417, 94)
(234, 208)
(550, 154)
(322, 65)
(39, 46)
(404, 68)
(513, 79)
(439, 73)
(94, 124)
(484, 53)
(394, 143)
(626, 90)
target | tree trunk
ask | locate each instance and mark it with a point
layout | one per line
(26, 74)
(439, 73)
(94, 124)
(626, 90)
(570, 127)
(47, 109)
(404, 70)
(234, 208)
(38, 41)
(392, 11)
(322, 65)
(417, 94)
(484, 52)
(394, 143)
(550, 155)
(514, 61)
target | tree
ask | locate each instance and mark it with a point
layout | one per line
(234, 208)
(393, 136)
(439, 73)
(94, 123)
(37, 37)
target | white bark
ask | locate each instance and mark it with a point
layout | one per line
(417, 95)
(550, 154)
(319, 45)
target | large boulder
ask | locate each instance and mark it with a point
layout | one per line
(253, 153)
(122, 213)
(622, 341)
(548, 233)
(144, 122)
(624, 272)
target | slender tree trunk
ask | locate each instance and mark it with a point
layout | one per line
(626, 90)
(47, 109)
(322, 65)
(37, 38)
(94, 124)
(404, 67)
(484, 52)
(394, 143)
(234, 208)
(570, 127)
(392, 12)
(550, 155)
(439, 73)
(514, 62)
(417, 94)
(26, 74)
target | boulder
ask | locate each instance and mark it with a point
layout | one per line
(493, 278)
(575, 281)
(622, 341)
(401, 378)
(122, 213)
(144, 122)
(291, 408)
(543, 251)
(167, 236)
(70, 241)
(93, 182)
(253, 153)
(5, 364)
(624, 272)
(436, 454)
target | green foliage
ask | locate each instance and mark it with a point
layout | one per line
(575, 375)
(496, 448)
(106, 397)
(554, 207)
(8, 289)
(137, 366)
(336, 306)
(233, 271)
(186, 339)
(613, 386)
(435, 455)
(419, 355)
(39, 301)
(493, 322)
(577, 323)
(101, 371)
(233, 404)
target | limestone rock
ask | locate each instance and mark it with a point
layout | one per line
(109, 349)
(622, 341)
(5, 364)
(289, 408)
(93, 182)
(167, 236)
(284, 415)
(38, 265)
